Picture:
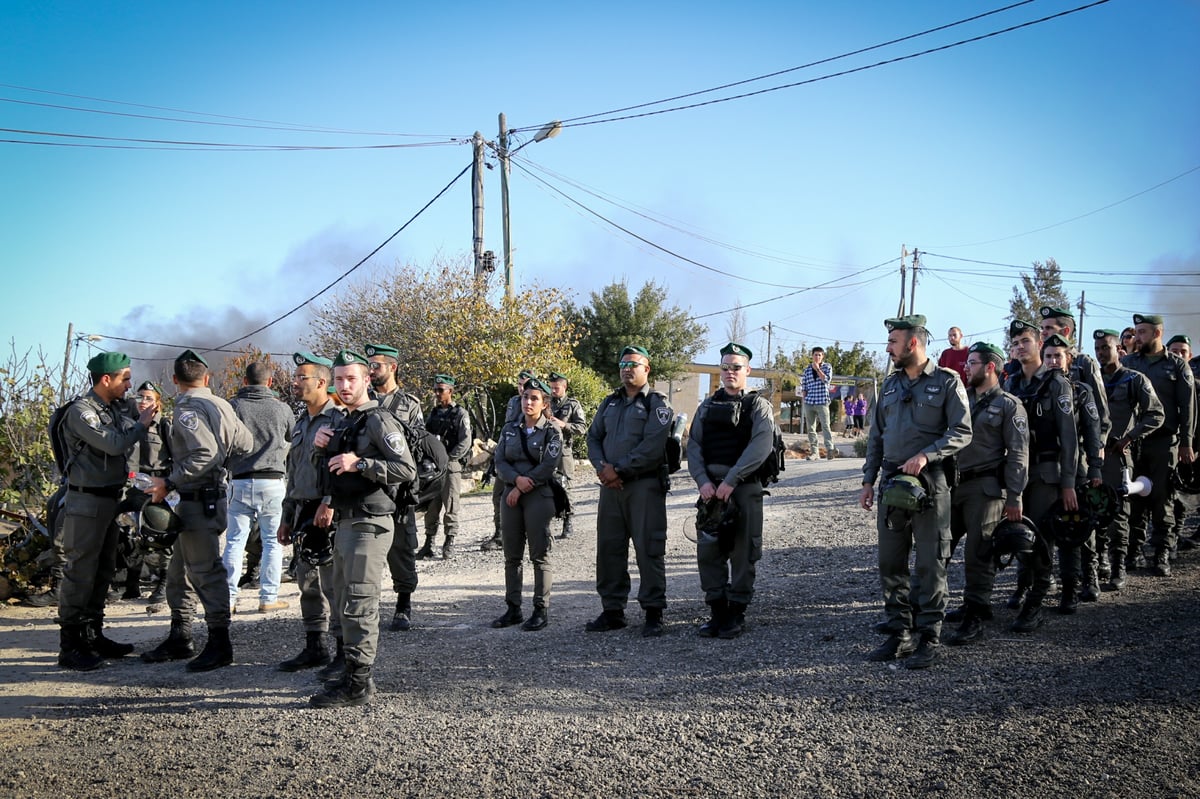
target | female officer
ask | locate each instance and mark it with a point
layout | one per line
(151, 456)
(528, 453)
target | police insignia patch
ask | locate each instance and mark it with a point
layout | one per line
(554, 449)
(1092, 412)
(395, 442)
(91, 420)
(663, 414)
(1064, 404)
(1022, 425)
(188, 420)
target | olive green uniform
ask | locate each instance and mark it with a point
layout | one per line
(534, 453)
(1159, 451)
(728, 574)
(1135, 413)
(452, 425)
(631, 433)
(1078, 563)
(205, 433)
(993, 470)
(99, 438)
(929, 416)
(569, 411)
(365, 526)
(402, 556)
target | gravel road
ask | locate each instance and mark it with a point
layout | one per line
(1100, 704)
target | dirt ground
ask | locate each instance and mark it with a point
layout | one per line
(1103, 703)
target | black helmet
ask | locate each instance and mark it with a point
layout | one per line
(159, 525)
(1185, 478)
(1102, 501)
(905, 492)
(717, 519)
(315, 543)
(1069, 527)
(1013, 540)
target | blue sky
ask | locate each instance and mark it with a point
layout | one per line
(955, 152)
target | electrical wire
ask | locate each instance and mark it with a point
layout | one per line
(222, 145)
(842, 73)
(1027, 267)
(819, 62)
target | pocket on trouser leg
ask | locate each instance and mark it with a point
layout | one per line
(756, 548)
(656, 545)
(361, 602)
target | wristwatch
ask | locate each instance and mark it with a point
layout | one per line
(361, 465)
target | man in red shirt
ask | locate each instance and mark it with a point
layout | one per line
(955, 357)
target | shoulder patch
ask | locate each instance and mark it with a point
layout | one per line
(189, 420)
(554, 449)
(91, 419)
(395, 442)
(1064, 403)
(1021, 423)
(1092, 411)
(664, 414)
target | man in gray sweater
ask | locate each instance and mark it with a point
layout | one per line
(258, 485)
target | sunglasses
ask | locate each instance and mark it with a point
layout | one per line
(630, 364)
(732, 367)
(440, 390)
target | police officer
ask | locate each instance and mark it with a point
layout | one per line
(1077, 563)
(205, 434)
(98, 438)
(1053, 462)
(1181, 345)
(1135, 412)
(1162, 449)
(732, 434)
(993, 470)
(627, 448)
(1083, 368)
(450, 422)
(512, 412)
(527, 458)
(366, 452)
(383, 362)
(319, 609)
(566, 414)
(151, 456)
(921, 420)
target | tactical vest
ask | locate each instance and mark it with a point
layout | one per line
(353, 490)
(727, 429)
(443, 424)
(1039, 407)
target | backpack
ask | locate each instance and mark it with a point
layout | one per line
(432, 465)
(64, 456)
(773, 466)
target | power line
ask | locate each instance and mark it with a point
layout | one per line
(843, 73)
(1028, 267)
(220, 145)
(819, 62)
(284, 125)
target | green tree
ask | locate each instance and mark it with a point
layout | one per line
(613, 320)
(1043, 287)
(29, 393)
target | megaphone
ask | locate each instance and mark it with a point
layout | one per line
(1141, 487)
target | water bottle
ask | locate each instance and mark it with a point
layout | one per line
(143, 482)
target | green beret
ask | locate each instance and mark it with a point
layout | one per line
(150, 386)
(347, 357)
(988, 349)
(539, 385)
(1019, 326)
(1147, 319)
(107, 363)
(556, 376)
(190, 355)
(447, 379)
(633, 349)
(525, 374)
(330, 390)
(1050, 312)
(302, 358)
(905, 322)
(737, 349)
(381, 349)
(1056, 341)
(1104, 332)
(1180, 339)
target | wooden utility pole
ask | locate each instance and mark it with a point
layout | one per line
(767, 360)
(62, 389)
(912, 296)
(502, 151)
(477, 203)
(903, 257)
(1082, 310)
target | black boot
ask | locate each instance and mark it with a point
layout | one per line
(73, 650)
(511, 616)
(1024, 581)
(492, 544)
(426, 552)
(448, 548)
(46, 600)
(898, 645)
(313, 654)
(653, 627)
(1103, 565)
(178, 645)
(1117, 580)
(217, 652)
(566, 528)
(103, 646)
(537, 620)
(158, 591)
(711, 627)
(929, 651)
(1030, 618)
(735, 621)
(336, 666)
(356, 689)
(1068, 601)
(1162, 563)
(606, 621)
(971, 627)
(402, 618)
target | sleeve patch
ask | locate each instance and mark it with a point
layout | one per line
(91, 419)
(189, 420)
(395, 442)
(664, 415)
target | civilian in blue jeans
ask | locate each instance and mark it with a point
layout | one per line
(258, 485)
(814, 382)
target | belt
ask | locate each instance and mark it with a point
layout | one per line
(109, 492)
(974, 474)
(265, 474)
(157, 472)
(1045, 457)
(197, 496)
